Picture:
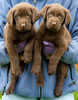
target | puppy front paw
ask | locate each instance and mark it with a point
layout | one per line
(51, 70)
(57, 92)
(26, 59)
(35, 69)
(16, 71)
(10, 90)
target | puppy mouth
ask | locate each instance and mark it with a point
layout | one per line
(53, 29)
(23, 30)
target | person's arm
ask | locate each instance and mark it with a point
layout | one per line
(71, 55)
(5, 5)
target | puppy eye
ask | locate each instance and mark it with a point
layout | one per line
(17, 17)
(27, 15)
(50, 14)
(60, 16)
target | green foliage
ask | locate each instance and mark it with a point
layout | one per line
(75, 95)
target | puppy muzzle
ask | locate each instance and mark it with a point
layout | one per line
(53, 25)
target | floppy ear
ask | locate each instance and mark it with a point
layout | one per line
(44, 11)
(35, 14)
(68, 16)
(10, 16)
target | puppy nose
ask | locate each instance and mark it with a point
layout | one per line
(22, 25)
(53, 23)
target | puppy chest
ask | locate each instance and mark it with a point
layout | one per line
(49, 37)
(25, 36)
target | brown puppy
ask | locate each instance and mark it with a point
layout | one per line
(19, 28)
(53, 30)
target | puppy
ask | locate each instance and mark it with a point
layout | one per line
(53, 30)
(19, 28)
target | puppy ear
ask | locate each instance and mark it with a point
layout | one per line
(10, 16)
(68, 16)
(35, 14)
(44, 11)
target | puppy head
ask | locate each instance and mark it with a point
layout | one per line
(55, 15)
(22, 16)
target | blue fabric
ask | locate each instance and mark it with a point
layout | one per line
(26, 83)
(68, 96)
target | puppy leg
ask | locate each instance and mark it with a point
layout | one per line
(37, 58)
(61, 75)
(61, 47)
(40, 80)
(22, 64)
(14, 78)
(27, 57)
(12, 84)
(14, 58)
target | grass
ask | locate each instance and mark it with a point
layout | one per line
(76, 92)
(75, 95)
(0, 97)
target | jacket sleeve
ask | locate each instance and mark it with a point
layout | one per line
(71, 55)
(5, 5)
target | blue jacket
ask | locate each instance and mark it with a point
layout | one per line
(26, 83)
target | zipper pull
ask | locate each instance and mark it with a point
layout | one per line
(34, 1)
(73, 82)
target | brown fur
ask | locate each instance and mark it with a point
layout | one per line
(19, 28)
(53, 29)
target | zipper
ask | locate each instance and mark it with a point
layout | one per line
(73, 82)
(40, 91)
(4, 90)
(38, 98)
(7, 79)
(34, 1)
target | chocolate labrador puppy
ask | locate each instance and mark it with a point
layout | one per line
(19, 28)
(53, 29)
